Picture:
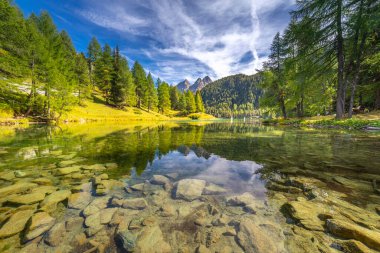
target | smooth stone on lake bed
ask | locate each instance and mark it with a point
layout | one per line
(16, 223)
(347, 230)
(79, 200)
(40, 223)
(160, 180)
(190, 189)
(26, 199)
(135, 204)
(16, 188)
(51, 201)
(68, 170)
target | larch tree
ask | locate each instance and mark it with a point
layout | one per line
(152, 96)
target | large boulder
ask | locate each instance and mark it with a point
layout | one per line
(40, 223)
(190, 189)
(252, 239)
(347, 230)
(16, 223)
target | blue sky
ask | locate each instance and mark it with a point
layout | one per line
(175, 39)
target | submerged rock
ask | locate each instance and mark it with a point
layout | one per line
(135, 204)
(241, 200)
(160, 180)
(96, 205)
(127, 240)
(40, 223)
(54, 236)
(16, 223)
(16, 188)
(352, 246)
(190, 189)
(67, 170)
(51, 201)
(307, 213)
(79, 200)
(213, 189)
(347, 230)
(252, 239)
(150, 239)
(42, 181)
(26, 199)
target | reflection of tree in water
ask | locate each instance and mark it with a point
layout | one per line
(273, 146)
(138, 149)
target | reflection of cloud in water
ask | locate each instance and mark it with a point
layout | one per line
(236, 176)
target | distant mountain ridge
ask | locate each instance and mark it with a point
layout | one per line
(198, 85)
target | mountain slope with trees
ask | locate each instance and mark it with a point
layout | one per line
(236, 95)
(55, 77)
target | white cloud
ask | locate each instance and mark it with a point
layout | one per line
(196, 38)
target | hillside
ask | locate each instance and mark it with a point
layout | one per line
(14, 92)
(236, 95)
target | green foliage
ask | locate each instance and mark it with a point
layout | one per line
(191, 106)
(174, 98)
(326, 56)
(164, 97)
(141, 84)
(152, 96)
(220, 96)
(199, 102)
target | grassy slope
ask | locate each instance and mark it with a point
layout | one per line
(94, 110)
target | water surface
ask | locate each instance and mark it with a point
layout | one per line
(239, 157)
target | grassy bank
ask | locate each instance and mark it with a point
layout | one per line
(95, 110)
(360, 121)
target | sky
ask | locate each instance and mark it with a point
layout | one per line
(175, 39)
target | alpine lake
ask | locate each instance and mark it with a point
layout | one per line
(189, 187)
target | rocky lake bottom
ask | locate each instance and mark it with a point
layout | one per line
(189, 188)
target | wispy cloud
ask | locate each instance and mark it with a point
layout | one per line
(185, 39)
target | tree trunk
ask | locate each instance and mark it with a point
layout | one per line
(340, 56)
(377, 99)
(283, 108)
(357, 72)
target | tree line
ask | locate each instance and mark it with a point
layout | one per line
(327, 60)
(61, 77)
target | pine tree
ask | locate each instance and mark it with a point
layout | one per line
(277, 83)
(104, 71)
(190, 102)
(182, 105)
(94, 52)
(152, 94)
(164, 97)
(82, 77)
(141, 84)
(174, 97)
(199, 102)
